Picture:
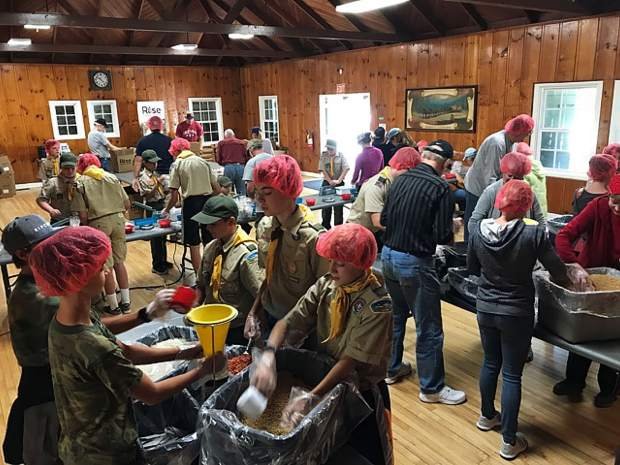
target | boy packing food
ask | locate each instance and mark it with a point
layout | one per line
(58, 192)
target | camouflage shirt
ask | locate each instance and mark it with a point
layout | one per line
(92, 383)
(29, 315)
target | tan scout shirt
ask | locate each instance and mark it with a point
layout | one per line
(99, 198)
(48, 168)
(192, 175)
(241, 276)
(340, 164)
(367, 335)
(297, 265)
(58, 192)
(370, 199)
(151, 189)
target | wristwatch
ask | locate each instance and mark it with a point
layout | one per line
(143, 316)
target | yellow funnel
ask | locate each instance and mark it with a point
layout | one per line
(211, 322)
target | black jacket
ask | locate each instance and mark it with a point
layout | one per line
(505, 261)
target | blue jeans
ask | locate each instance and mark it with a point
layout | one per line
(413, 284)
(505, 341)
(470, 204)
(105, 164)
(234, 171)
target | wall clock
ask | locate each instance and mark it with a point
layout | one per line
(100, 80)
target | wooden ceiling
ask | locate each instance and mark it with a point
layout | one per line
(142, 31)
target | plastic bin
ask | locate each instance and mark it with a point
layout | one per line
(462, 282)
(578, 316)
(555, 224)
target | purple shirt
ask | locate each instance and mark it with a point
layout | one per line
(367, 164)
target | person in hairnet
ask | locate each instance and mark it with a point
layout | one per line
(613, 149)
(602, 168)
(93, 373)
(286, 236)
(58, 192)
(536, 177)
(50, 166)
(101, 203)
(504, 251)
(334, 167)
(485, 169)
(351, 313)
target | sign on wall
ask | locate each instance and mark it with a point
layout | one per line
(148, 109)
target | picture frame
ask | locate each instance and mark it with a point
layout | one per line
(441, 109)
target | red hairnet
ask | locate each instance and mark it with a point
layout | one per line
(614, 185)
(281, 173)
(86, 160)
(349, 243)
(154, 122)
(421, 144)
(405, 158)
(524, 148)
(602, 167)
(177, 145)
(519, 125)
(65, 262)
(613, 150)
(49, 143)
(515, 197)
(515, 164)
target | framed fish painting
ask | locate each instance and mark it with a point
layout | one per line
(441, 109)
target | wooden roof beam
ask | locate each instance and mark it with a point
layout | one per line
(475, 16)
(129, 24)
(318, 19)
(434, 23)
(546, 6)
(235, 11)
(532, 16)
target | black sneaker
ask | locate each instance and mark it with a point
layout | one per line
(115, 311)
(604, 400)
(566, 388)
(125, 307)
(169, 265)
(530, 355)
(159, 272)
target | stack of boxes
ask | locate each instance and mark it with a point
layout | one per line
(7, 178)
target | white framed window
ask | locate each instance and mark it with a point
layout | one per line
(208, 112)
(106, 110)
(67, 119)
(567, 120)
(614, 127)
(269, 122)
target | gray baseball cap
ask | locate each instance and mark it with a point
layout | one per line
(24, 232)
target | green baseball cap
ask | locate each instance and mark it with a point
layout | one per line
(217, 208)
(68, 159)
(255, 144)
(224, 181)
(150, 156)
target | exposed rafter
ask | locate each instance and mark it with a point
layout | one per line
(532, 16)
(318, 19)
(434, 23)
(235, 11)
(550, 6)
(472, 12)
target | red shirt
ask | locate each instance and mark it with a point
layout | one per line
(231, 150)
(602, 244)
(189, 131)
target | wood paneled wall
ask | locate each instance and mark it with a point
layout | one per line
(505, 64)
(26, 89)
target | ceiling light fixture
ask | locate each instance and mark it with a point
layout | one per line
(362, 6)
(185, 47)
(239, 36)
(16, 42)
(38, 27)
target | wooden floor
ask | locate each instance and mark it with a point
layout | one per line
(559, 433)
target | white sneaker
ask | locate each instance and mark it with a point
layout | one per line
(509, 451)
(446, 396)
(404, 370)
(487, 424)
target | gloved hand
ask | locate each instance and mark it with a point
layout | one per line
(579, 278)
(252, 328)
(160, 305)
(263, 373)
(300, 403)
(206, 367)
(190, 353)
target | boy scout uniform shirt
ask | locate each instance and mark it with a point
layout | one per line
(92, 387)
(370, 199)
(297, 265)
(30, 314)
(192, 175)
(340, 164)
(48, 168)
(241, 276)
(367, 333)
(99, 198)
(151, 189)
(59, 193)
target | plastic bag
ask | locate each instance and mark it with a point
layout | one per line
(300, 402)
(225, 440)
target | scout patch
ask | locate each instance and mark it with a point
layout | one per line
(252, 256)
(381, 306)
(292, 268)
(358, 305)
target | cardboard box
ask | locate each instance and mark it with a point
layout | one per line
(122, 160)
(7, 178)
(195, 147)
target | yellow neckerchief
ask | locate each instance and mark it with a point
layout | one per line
(153, 177)
(69, 185)
(339, 306)
(275, 240)
(94, 172)
(185, 154)
(56, 166)
(386, 173)
(331, 166)
(216, 275)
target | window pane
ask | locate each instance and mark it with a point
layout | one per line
(546, 158)
(548, 140)
(552, 119)
(70, 110)
(73, 130)
(211, 105)
(71, 120)
(106, 108)
(97, 109)
(62, 120)
(562, 160)
(562, 141)
(553, 99)
(62, 130)
(568, 117)
(60, 110)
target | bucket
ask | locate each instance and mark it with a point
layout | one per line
(211, 323)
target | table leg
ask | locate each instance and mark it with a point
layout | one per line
(5, 281)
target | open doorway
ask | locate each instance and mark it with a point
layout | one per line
(343, 118)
